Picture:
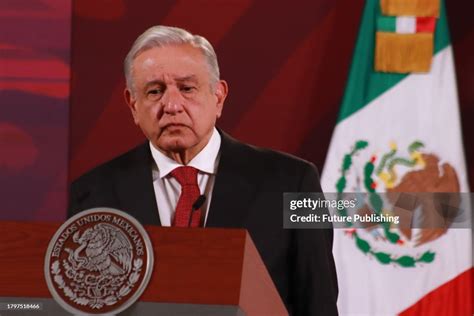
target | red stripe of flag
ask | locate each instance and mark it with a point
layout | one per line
(425, 24)
(454, 298)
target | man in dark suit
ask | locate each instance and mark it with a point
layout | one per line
(175, 95)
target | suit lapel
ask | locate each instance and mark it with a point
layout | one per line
(134, 186)
(233, 188)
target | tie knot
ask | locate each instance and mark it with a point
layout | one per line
(185, 175)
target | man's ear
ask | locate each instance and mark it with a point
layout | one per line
(221, 92)
(131, 102)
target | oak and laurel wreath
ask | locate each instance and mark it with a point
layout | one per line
(377, 204)
(110, 300)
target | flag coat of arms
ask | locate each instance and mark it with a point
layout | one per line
(399, 130)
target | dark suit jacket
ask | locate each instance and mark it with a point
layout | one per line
(247, 194)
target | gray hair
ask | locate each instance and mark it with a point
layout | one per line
(159, 36)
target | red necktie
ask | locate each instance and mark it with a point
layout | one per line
(187, 178)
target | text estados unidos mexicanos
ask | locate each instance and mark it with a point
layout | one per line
(307, 203)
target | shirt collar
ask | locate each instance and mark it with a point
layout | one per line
(205, 161)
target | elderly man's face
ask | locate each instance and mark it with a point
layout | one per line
(174, 100)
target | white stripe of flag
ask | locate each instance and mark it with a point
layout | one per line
(406, 24)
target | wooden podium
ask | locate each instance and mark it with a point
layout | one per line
(196, 271)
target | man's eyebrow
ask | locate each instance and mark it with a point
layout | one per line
(153, 82)
(192, 78)
(187, 78)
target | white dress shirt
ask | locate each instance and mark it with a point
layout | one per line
(167, 189)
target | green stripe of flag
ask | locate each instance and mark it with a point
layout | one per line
(364, 84)
(387, 23)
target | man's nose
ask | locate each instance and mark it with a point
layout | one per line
(172, 101)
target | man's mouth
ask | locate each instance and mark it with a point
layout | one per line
(172, 126)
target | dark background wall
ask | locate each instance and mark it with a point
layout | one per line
(286, 63)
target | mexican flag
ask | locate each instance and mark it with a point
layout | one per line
(399, 130)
